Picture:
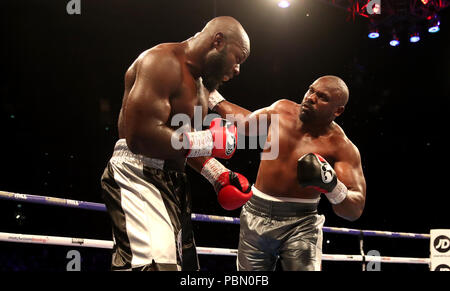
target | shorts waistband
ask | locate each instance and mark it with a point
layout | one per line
(122, 153)
(282, 208)
(265, 196)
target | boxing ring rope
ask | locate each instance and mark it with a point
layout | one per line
(104, 244)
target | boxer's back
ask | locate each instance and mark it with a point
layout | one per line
(279, 177)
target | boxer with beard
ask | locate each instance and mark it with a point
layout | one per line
(145, 188)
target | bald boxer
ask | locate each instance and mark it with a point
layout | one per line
(315, 156)
(145, 189)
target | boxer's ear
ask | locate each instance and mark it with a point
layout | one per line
(339, 111)
(219, 41)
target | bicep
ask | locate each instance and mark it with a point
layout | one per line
(349, 171)
(148, 105)
(144, 111)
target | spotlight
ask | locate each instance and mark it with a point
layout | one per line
(433, 29)
(374, 34)
(434, 26)
(394, 42)
(414, 37)
(284, 4)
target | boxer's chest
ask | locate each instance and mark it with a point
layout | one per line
(294, 143)
(191, 101)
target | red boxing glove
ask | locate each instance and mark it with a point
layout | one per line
(220, 140)
(224, 135)
(233, 190)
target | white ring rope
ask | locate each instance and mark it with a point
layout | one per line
(105, 244)
(93, 243)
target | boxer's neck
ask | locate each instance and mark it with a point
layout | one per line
(317, 129)
(195, 51)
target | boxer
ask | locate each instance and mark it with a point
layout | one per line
(145, 188)
(315, 156)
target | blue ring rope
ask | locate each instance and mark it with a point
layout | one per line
(195, 217)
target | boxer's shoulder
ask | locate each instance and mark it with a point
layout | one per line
(160, 56)
(283, 105)
(343, 145)
(161, 64)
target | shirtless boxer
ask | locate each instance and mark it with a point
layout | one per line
(144, 185)
(281, 219)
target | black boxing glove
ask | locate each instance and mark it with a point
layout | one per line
(313, 171)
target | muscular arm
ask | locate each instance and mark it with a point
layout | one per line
(349, 171)
(148, 109)
(197, 163)
(247, 121)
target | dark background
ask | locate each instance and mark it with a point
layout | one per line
(62, 87)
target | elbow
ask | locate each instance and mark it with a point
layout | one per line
(133, 145)
(350, 214)
(355, 214)
(354, 217)
(354, 210)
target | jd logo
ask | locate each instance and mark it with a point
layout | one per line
(442, 244)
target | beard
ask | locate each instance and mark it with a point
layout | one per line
(215, 69)
(308, 115)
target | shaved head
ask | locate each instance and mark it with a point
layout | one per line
(231, 29)
(325, 100)
(337, 88)
(226, 46)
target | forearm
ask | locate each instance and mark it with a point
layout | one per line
(351, 207)
(234, 113)
(197, 163)
(225, 108)
(248, 122)
(161, 142)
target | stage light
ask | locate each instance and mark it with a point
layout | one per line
(425, 2)
(394, 41)
(414, 37)
(374, 34)
(434, 26)
(433, 29)
(284, 4)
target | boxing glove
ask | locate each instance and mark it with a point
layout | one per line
(220, 140)
(313, 171)
(233, 189)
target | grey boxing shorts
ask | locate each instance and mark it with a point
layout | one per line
(287, 229)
